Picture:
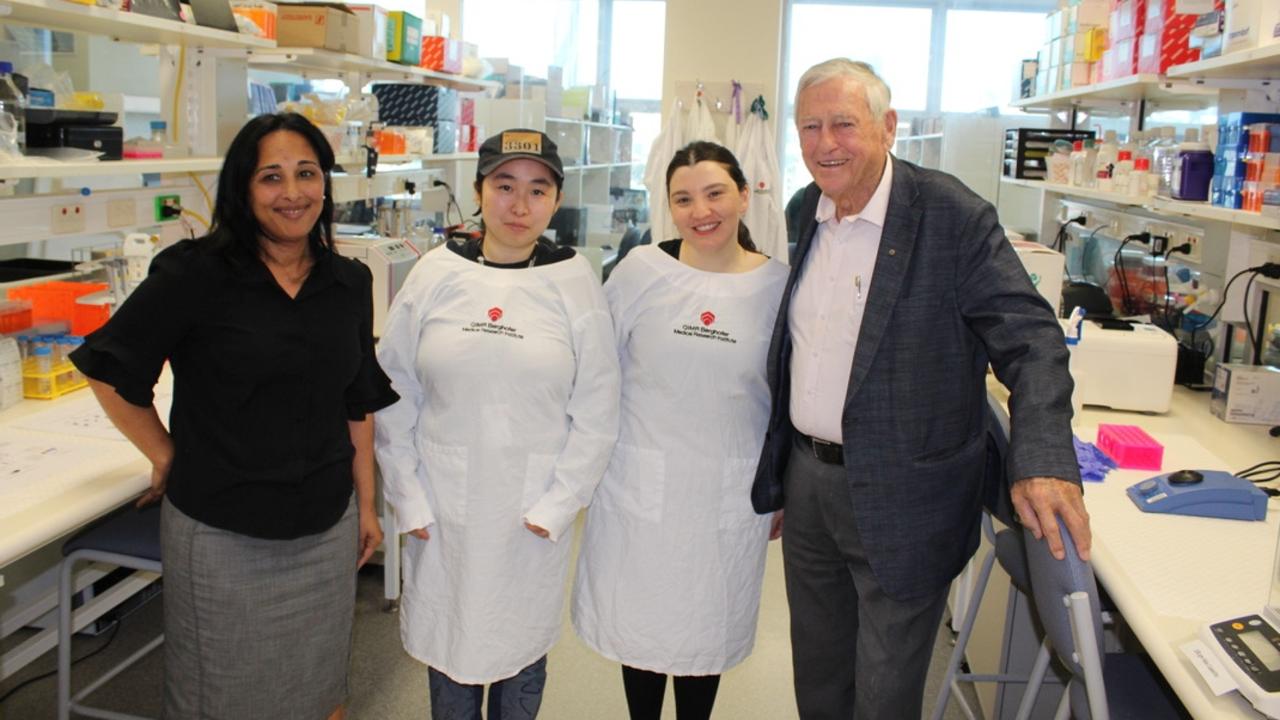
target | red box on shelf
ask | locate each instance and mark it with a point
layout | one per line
(441, 54)
(467, 111)
(1127, 20)
(1119, 60)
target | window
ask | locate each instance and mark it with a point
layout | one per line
(635, 49)
(895, 41)
(962, 71)
(978, 74)
(537, 33)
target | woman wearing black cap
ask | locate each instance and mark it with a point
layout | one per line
(502, 350)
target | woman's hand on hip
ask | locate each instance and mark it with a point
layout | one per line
(370, 535)
(159, 480)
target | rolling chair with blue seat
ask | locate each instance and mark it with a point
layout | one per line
(1064, 597)
(130, 538)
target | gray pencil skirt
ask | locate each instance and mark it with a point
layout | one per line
(256, 628)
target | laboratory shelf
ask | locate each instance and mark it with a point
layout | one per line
(349, 187)
(96, 168)
(449, 157)
(123, 26)
(1209, 212)
(1166, 92)
(323, 62)
(1257, 64)
(1203, 211)
(589, 123)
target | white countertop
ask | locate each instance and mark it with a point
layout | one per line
(1161, 568)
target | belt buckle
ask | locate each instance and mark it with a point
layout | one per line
(827, 452)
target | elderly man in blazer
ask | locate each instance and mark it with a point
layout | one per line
(903, 289)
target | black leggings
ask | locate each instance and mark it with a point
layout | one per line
(695, 694)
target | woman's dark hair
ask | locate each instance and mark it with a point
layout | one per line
(235, 229)
(702, 151)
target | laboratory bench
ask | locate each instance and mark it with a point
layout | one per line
(1170, 574)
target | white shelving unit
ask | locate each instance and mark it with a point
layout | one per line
(122, 26)
(597, 159)
(327, 63)
(96, 168)
(1202, 211)
(1165, 92)
(923, 150)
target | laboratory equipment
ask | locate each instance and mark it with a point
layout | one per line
(1248, 648)
(389, 259)
(1124, 366)
(1202, 493)
(1130, 446)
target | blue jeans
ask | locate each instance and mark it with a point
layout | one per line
(516, 698)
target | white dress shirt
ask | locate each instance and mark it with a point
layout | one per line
(826, 310)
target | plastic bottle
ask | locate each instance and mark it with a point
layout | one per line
(1107, 152)
(1090, 162)
(1193, 169)
(1121, 175)
(1077, 158)
(1141, 182)
(1058, 163)
(1163, 155)
(13, 100)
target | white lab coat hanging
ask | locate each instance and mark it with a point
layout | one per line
(672, 557)
(509, 396)
(765, 217)
(664, 147)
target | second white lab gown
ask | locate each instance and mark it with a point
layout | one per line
(664, 147)
(759, 160)
(509, 397)
(672, 557)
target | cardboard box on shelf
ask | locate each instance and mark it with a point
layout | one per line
(1088, 14)
(441, 54)
(404, 37)
(1251, 23)
(262, 14)
(331, 27)
(371, 30)
(1075, 75)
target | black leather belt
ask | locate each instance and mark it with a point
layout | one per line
(827, 452)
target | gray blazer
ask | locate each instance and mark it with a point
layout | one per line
(949, 295)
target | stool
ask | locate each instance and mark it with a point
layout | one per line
(130, 538)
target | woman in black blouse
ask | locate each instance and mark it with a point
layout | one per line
(269, 336)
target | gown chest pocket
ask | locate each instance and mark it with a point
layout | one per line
(445, 470)
(635, 482)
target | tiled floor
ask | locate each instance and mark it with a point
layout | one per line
(386, 684)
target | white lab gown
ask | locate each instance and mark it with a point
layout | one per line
(765, 217)
(673, 555)
(509, 407)
(664, 147)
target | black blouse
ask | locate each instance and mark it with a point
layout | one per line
(263, 384)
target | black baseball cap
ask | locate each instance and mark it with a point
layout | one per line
(516, 144)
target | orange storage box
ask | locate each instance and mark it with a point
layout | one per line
(56, 300)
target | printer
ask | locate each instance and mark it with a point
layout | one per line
(1124, 365)
(389, 259)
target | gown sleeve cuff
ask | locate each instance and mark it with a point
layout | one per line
(554, 512)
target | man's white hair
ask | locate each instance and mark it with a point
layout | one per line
(877, 91)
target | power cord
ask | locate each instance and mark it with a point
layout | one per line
(1118, 262)
(115, 629)
(1060, 239)
(452, 201)
(1269, 270)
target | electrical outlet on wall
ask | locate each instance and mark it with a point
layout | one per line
(68, 218)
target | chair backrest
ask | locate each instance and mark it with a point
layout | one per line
(1052, 582)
